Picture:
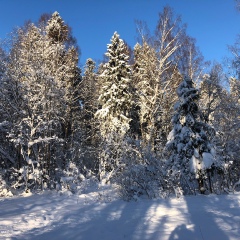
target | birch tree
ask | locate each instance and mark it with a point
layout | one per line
(158, 65)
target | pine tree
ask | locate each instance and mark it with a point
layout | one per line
(192, 152)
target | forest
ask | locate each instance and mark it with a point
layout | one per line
(153, 120)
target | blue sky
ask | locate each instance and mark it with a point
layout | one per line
(214, 23)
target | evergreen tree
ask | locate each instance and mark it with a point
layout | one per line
(192, 152)
(63, 66)
(41, 91)
(89, 106)
(116, 101)
(56, 29)
(89, 98)
(72, 133)
(115, 98)
(37, 131)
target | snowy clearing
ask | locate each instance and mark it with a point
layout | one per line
(99, 215)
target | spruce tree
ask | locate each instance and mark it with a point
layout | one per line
(115, 100)
(56, 29)
(88, 125)
(192, 152)
(89, 97)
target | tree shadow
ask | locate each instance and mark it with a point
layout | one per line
(182, 232)
(118, 219)
(201, 217)
(210, 217)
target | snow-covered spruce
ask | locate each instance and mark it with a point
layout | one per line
(116, 101)
(192, 152)
(56, 29)
(115, 97)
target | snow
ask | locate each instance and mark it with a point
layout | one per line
(194, 162)
(170, 136)
(208, 160)
(198, 163)
(101, 215)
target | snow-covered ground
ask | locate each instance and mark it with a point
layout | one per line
(100, 215)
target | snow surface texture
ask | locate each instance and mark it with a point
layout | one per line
(101, 215)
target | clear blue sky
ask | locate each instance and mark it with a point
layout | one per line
(214, 23)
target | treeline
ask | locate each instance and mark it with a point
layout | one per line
(149, 119)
